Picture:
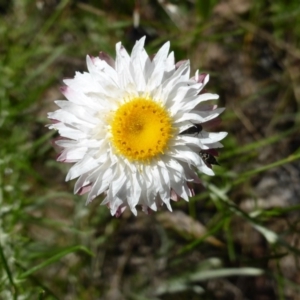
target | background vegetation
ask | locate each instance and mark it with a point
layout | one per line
(238, 238)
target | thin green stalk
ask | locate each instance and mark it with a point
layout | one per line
(244, 176)
(9, 274)
(261, 143)
(54, 259)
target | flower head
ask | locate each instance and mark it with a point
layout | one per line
(132, 128)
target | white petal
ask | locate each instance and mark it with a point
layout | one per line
(72, 155)
(87, 164)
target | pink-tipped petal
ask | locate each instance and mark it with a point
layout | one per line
(84, 189)
(174, 196)
(201, 78)
(104, 56)
(147, 210)
(120, 210)
(179, 63)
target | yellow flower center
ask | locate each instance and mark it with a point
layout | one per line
(141, 129)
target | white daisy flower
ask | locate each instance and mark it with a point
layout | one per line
(134, 129)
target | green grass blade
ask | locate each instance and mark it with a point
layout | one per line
(53, 259)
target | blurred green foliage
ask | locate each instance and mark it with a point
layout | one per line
(53, 247)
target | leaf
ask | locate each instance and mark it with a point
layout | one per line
(53, 259)
(204, 8)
